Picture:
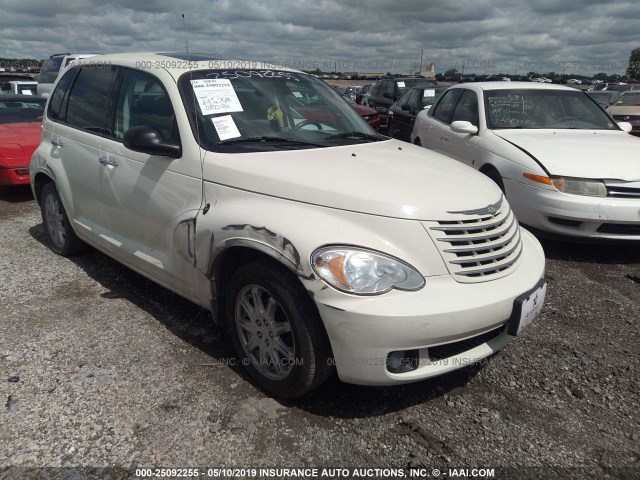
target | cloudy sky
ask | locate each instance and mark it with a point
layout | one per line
(482, 36)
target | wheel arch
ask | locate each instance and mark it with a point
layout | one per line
(492, 172)
(240, 252)
(39, 181)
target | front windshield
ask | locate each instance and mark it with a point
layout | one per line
(240, 111)
(538, 108)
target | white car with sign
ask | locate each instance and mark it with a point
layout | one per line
(258, 193)
(565, 166)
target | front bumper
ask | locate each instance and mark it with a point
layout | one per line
(575, 215)
(364, 330)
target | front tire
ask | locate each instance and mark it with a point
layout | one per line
(62, 238)
(276, 330)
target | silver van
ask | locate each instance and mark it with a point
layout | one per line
(52, 66)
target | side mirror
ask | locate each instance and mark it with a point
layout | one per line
(626, 126)
(145, 139)
(461, 126)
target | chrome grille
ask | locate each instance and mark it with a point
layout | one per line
(479, 246)
(622, 192)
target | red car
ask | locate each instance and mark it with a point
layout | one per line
(20, 120)
(371, 116)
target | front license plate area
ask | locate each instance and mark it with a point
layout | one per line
(527, 307)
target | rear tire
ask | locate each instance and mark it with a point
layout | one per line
(62, 238)
(276, 330)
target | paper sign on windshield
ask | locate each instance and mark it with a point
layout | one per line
(401, 85)
(226, 127)
(429, 93)
(216, 96)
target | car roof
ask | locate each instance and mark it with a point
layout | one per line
(178, 63)
(513, 86)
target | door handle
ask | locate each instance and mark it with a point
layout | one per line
(57, 142)
(106, 161)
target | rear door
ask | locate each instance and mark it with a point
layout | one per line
(436, 128)
(78, 109)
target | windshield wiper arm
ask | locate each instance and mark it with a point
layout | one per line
(267, 139)
(368, 136)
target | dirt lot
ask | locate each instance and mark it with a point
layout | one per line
(100, 367)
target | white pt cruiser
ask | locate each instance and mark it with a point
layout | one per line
(258, 193)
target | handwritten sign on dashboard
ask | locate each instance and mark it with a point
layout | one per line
(216, 96)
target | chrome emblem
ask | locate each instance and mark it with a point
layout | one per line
(490, 209)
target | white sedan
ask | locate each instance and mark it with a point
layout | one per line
(565, 166)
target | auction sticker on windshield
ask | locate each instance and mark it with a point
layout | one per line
(527, 307)
(216, 96)
(226, 127)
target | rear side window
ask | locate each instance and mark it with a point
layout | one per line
(50, 69)
(88, 102)
(57, 98)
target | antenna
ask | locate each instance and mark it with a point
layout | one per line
(77, 51)
(186, 42)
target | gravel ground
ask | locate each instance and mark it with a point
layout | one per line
(100, 367)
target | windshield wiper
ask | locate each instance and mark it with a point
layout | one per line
(368, 136)
(267, 139)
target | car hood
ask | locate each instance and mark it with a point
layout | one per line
(388, 178)
(17, 139)
(583, 154)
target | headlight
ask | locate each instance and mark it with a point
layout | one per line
(579, 186)
(363, 272)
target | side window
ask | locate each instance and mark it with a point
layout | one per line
(403, 100)
(467, 108)
(388, 87)
(413, 102)
(444, 108)
(55, 111)
(88, 102)
(143, 101)
(374, 89)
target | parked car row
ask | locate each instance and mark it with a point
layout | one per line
(266, 199)
(385, 92)
(18, 87)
